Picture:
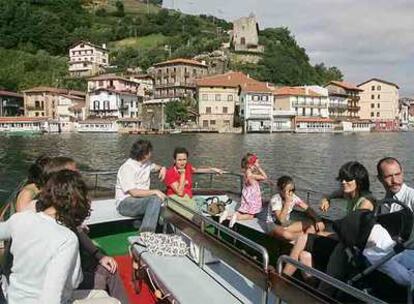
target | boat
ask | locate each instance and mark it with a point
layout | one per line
(97, 126)
(230, 266)
(175, 131)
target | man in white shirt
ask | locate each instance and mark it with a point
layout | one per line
(132, 191)
(391, 175)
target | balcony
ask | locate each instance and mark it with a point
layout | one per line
(338, 106)
(34, 108)
(354, 108)
(309, 105)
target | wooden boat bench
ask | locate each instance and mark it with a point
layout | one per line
(179, 279)
(104, 211)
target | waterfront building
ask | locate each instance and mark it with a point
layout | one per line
(44, 101)
(380, 103)
(245, 35)
(176, 79)
(256, 106)
(70, 108)
(343, 100)
(219, 99)
(22, 124)
(111, 103)
(404, 112)
(113, 82)
(146, 85)
(87, 59)
(11, 103)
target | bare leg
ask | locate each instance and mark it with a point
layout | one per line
(284, 233)
(297, 249)
(305, 258)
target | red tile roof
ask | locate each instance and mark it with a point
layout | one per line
(379, 80)
(72, 96)
(11, 119)
(180, 61)
(345, 85)
(229, 79)
(55, 91)
(294, 91)
(116, 91)
(109, 77)
(11, 94)
(256, 87)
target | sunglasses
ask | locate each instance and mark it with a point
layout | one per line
(345, 178)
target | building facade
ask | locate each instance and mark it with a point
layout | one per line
(87, 59)
(343, 100)
(245, 36)
(11, 103)
(176, 79)
(380, 103)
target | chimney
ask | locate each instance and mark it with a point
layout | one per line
(104, 45)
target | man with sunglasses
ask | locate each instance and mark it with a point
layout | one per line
(391, 176)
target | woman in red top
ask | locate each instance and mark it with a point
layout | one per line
(178, 177)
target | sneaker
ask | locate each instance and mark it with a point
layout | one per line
(223, 216)
(233, 220)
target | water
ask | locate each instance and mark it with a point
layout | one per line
(312, 159)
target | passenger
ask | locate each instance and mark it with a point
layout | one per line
(391, 176)
(314, 250)
(178, 178)
(133, 194)
(46, 266)
(251, 199)
(99, 271)
(282, 204)
(35, 181)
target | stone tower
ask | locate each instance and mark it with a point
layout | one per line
(246, 35)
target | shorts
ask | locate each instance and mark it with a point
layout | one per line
(321, 248)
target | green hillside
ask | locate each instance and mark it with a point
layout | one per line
(35, 36)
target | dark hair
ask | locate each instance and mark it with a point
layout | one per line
(67, 193)
(180, 150)
(283, 181)
(140, 149)
(57, 164)
(387, 160)
(36, 174)
(355, 171)
(245, 160)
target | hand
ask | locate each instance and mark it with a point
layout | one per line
(109, 264)
(324, 205)
(181, 171)
(160, 194)
(319, 226)
(162, 173)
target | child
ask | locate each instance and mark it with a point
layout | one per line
(282, 204)
(251, 199)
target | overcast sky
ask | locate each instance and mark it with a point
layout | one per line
(364, 38)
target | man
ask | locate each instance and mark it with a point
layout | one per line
(133, 194)
(391, 175)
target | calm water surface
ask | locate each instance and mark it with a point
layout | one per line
(312, 159)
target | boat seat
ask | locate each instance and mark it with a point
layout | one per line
(104, 211)
(183, 279)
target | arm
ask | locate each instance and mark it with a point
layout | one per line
(178, 186)
(281, 215)
(23, 199)
(366, 204)
(64, 264)
(5, 232)
(260, 176)
(86, 244)
(145, 193)
(158, 168)
(208, 170)
(325, 202)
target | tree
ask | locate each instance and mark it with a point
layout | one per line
(120, 10)
(176, 113)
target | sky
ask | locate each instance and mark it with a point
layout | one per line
(364, 38)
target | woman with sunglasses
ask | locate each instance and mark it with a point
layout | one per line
(314, 250)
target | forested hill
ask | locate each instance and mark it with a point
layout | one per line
(35, 36)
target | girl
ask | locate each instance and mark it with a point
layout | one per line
(282, 205)
(251, 199)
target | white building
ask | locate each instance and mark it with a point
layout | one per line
(65, 108)
(87, 59)
(116, 104)
(256, 107)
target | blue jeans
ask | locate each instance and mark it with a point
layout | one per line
(149, 207)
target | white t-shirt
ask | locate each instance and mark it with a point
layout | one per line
(276, 204)
(132, 175)
(46, 263)
(400, 267)
(405, 196)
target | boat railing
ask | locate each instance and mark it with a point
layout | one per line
(209, 233)
(339, 285)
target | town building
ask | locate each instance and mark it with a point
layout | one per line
(176, 79)
(11, 103)
(70, 108)
(109, 103)
(380, 103)
(256, 106)
(410, 102)
(343, 100)
(245, 36)
(87, 59)
(113, 82)
(48, 101)
(146, 85)
(217, 62)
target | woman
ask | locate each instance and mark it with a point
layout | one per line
(46, 265)
(178, 177)
(35, 181)
(314, 250)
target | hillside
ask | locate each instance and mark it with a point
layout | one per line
(35, 36)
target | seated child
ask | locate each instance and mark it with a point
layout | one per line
(282, 204)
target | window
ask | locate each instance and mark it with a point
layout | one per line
(379, 96)
(37, 113)
(378, 105)
(372, 105)
(255, 97)
(264, 98)
(208, 110)
(85, 64)
(230, 97)
(373, 88)
(303, 111)
(379, 88)
(217, 97)
(225, 110)
(37, 104)
(212, 122)
(378, 114)
(226, 122)
(100, 83)
(205, 123)
(372, 96)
